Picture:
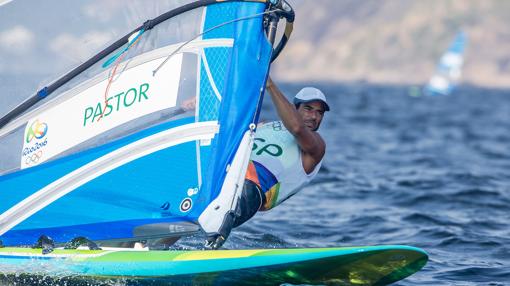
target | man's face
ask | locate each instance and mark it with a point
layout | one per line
(311, 113)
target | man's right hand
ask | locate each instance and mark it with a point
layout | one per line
(269, 82)
(189, 104)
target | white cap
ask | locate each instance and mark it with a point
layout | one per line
(308, 94)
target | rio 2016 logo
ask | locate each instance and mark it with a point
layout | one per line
(37, 130)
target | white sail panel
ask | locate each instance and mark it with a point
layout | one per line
(132, 94)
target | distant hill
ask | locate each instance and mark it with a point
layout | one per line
(395, 41)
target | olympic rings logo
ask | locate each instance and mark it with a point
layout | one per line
(34, 158)
(37, 130)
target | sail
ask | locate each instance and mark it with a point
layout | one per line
(449, 68)
(138, 140)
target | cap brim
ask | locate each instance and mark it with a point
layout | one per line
(325, 104)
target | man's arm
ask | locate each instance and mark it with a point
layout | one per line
(310, 142)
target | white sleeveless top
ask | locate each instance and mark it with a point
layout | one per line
(277, 150)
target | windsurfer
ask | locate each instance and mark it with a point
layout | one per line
(286, 155)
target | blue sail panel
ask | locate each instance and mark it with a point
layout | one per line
(245, 82)
(459, 43)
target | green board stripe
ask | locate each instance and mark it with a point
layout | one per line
(192, 255)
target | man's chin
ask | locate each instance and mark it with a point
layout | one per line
(312, 127)
(315, 127)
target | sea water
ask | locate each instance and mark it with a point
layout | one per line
(431, 172)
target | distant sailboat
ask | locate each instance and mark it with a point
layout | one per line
(448, 71)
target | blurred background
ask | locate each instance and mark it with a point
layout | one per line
(389, 42)
(395, 42)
